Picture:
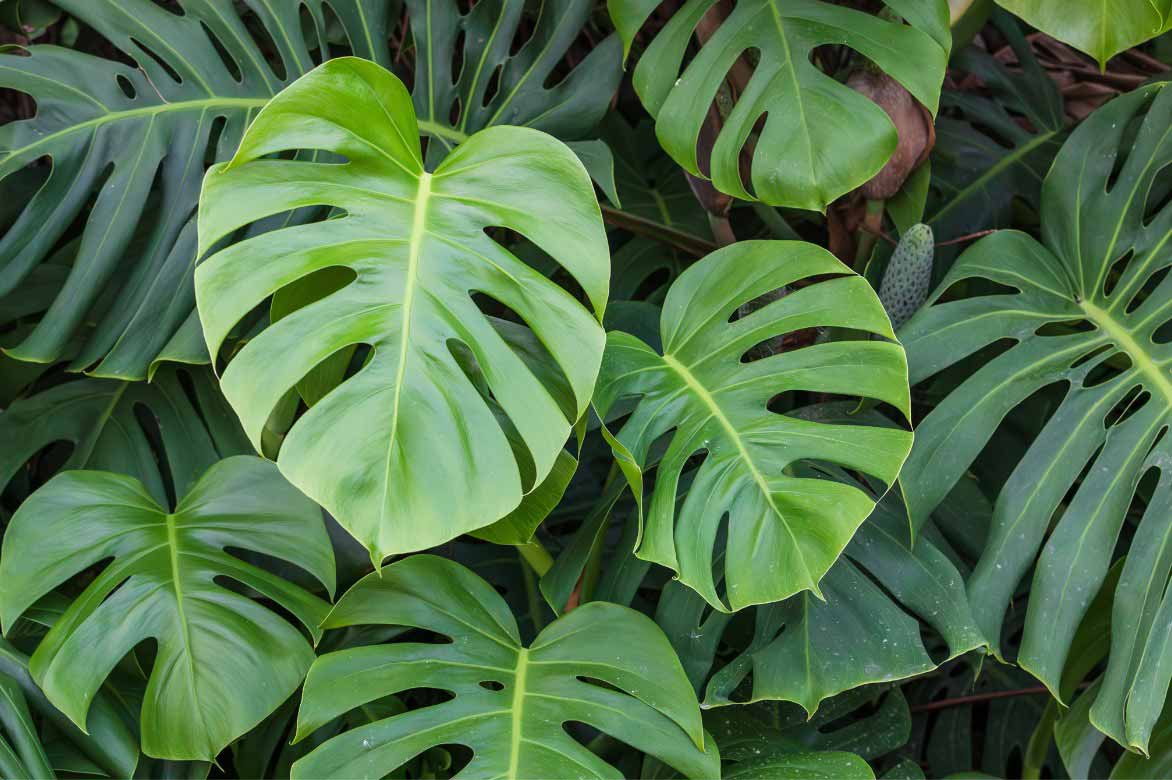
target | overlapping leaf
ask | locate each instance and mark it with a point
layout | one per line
(189, 428)
(493, 85)
(805, 650)
(985, 157)
(784, 531)
(820, 139)
(128, 145)
(780, 740)
(1084, 313)
(1101, 29)
(511, 703)
(223, 661)
(108, 747)
(406, 453)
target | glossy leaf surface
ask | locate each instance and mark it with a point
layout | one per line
(820, 138)
(1080, 311)
(223, 661)
(1101, 29)
(784, 531)
(406, 453)
(510, 703)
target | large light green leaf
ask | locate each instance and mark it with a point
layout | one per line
(820, 138)
(134, 141)
(406, 453)
(603, 665)
(784, 531)
(223, 661)
(1085, 314)
(1101, 28)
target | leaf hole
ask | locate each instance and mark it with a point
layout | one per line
(126, 86)
(493, 88)
(1159, 196)
(1116, 272)
(264, 42)
(1146, 291)
(1065, 327)
(458, 55)
(152, 56)
(1134, 400)
(1111, 365)
(226, 59)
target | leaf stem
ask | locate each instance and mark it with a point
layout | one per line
(685, 242)
(532, 593)
(979, 697)
(534, 553)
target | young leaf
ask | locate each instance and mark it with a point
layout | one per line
(511, 703)
(406, 454)
(223, 661)
(784, 531)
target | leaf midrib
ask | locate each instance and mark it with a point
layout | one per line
(1126, 342)
(181, 614)
(202, 104)
(518, 710)
(714, 409)
(410, 282)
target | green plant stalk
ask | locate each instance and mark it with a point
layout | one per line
(532, 593)
(1039, 744)
(534, 553)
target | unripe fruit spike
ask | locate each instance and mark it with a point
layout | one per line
(905, 282)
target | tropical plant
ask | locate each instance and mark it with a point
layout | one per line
(506, 389)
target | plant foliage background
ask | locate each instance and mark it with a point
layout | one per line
(508, 389)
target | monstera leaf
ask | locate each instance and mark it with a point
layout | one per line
(1100, 29)
(406, 453)
(759, 743)
(21, 751)
(706, 395)
(820, 138)
(190, 428)
(511, 703)
(134, 141)
(1084, 313)
(108, 745)
(223, 661)
(805, 650)
(985, 158)
(461, 89)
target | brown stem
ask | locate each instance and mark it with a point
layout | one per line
(722, 230)
(987, 696)
(969, 237)
(881, 234)
(685, 242)
(975, 698)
